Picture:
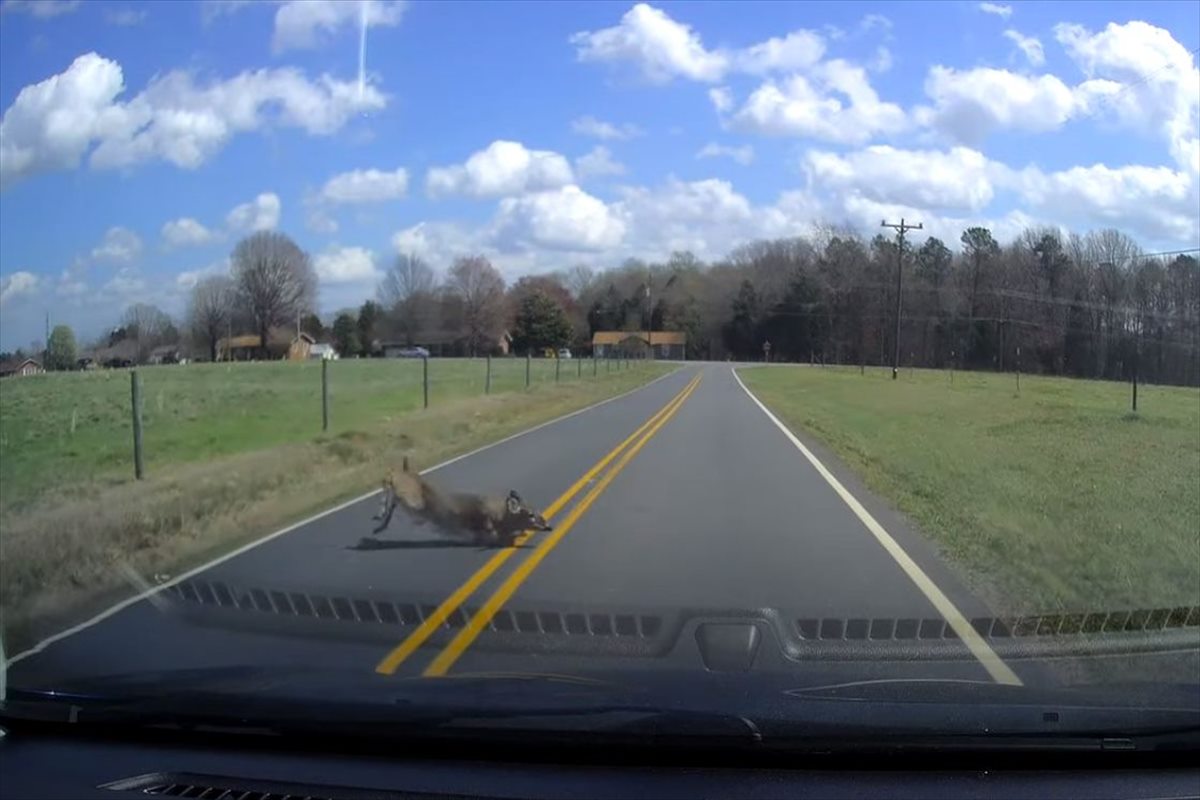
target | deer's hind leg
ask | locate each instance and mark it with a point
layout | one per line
(387, 507)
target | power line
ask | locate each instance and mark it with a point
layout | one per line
(966, 320)
(1125, 87)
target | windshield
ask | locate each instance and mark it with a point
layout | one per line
(790, 369)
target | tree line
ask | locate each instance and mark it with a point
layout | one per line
(1092, 305)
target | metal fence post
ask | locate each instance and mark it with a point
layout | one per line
(578, 368)
(135, 390)
(557, 368)
(425, 378)
(487, 378)
(324, 394)
(595, 365)
(528, 359)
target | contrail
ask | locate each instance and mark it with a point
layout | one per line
(362, 47)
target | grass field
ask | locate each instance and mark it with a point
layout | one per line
(1056, 499)
(77, 426)
(232, 454)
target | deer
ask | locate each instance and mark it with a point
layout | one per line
(486, 520)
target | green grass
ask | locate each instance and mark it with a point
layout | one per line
(1056, 499)
(202, 411)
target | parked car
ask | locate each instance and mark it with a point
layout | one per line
(414, 352)
(564, 352)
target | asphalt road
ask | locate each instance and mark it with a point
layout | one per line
(712, 517)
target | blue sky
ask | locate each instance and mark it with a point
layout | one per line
(139, 141)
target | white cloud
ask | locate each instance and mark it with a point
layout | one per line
(707, 217)
(958, 186)
(883, 61)
(742, 155)
(437, 242)
(125, 286)
(366, 186)
(186, 232)
(1155, 201)
(968, 105)
(800, 106)
(260, 214)
(661, 49)
(959, 178)
(17, 284)
(857, 210)
(70, 286)
(43, 9)
(798, 50)
(566, 219)
(302, 24)
(721, 98)
(996, 8)
(535, 233)
(1145, 77)
(599, 129)
(185, 280)
(503, 168)
(1137, 74)
(55, 123)
(126, 17)
(211, 10)
(658, 45)
(318, 221)
(696, 201)
(120, 245)
(873, 21)
(339, 265)
(1030, 46)
(598, 162)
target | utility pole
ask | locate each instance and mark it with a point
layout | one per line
(47, 339)
(650, 304)
(901, 228)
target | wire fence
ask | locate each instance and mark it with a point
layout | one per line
(318, 396)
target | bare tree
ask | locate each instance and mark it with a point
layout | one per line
(150, 327)
(210, 310)
(274, 279)
(407, 294)
(579, 279)
(481, 290)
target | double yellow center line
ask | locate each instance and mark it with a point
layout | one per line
(457, 646)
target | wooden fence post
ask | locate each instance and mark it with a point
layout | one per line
(135, 390)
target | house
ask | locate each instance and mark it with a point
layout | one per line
(281, 343)
(323, 351)
(639, 344)
(238, 348)
(20, 368)
(301, 347)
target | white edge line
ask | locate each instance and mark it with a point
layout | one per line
(995, 666)
(126, 603)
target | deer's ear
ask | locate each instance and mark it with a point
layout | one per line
(513, 503)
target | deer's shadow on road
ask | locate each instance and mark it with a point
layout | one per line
(367, 544)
